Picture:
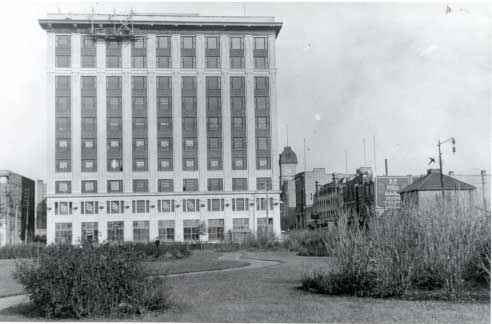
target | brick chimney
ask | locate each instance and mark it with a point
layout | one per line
(451, 173)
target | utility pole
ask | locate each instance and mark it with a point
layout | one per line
(483, 173)
(439, 143)
(305, 166)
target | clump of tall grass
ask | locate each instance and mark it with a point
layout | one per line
(310, 243)
(438, 245)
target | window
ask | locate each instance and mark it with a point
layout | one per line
(261, 203)
(240, 204)
(238, 143)
(164, 82)
(213, 123)
(113, 44)
(114, 145)
(89, 165)
(139, 42)
(263, 163)
(189, 104)
(89, 186)
(260, 43)
(261, 83)
(62, 41)
(189, 144)
(212, 62)
(164, 42)
(187, 42)
(89, 232)
(62, 61)
(239, 184)
(114, 124)
(262, 103)
(237, 82)
(213, 83)
(189, 164)
(237, 122)
(141, 231)
(165, 206)
(63, 187)
(116, 231)
(114, 104)
(189, 123)
(239, 164)
(115, 207)
(164, 103)
(63, 124)
(261, 62)
(191, 230)
(212, 42)
(190, 184)
(63, 233)
(63, 208)
(237, 104)
(188, 82)
(214, 144)
(63, 165)
(89, 103)
(164, 123)
(240, 223)
(139, 145)
(213, 104)
(237, 62)
(113, 61)
(62, 104)
(263, 183)
(215, 184)
(139, 104)
(164, 62)
(89, 124)
(62, 145)
(113, 83)
(191, 205)
(215, 229)
(263, 143)
(140, 185)
(236, 43)
(140, 164)
(88, 144)
(88, 42)
(188, 62)
(139, 82)
(89, 207)
(140, 206)
(115, 165)
(213, 164)
(215, 204)
(262, 122)
(62, 82)
(139, 62)
(165, 144)
(88, 82)
(166, 230)
(88, 61)
(139, 124)
(166, 185)
(262, 224)
(165, 165)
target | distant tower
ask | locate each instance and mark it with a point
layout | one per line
(288, 165)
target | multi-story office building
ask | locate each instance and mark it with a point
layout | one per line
(159, 123)
(16, 208)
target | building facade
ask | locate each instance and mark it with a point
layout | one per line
(40, 229)
(305, 183)
(16, 208)
(288, 166)
(158, 123)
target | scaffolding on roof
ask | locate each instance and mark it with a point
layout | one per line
(122, 29)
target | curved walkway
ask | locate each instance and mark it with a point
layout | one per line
(10, 301)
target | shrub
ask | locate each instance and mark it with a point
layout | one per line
(21, 251)
(310, 243)
(89, 281)
(164, 250)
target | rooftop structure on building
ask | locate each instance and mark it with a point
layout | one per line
(432, 182)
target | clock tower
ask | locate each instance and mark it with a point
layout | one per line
(288, 169)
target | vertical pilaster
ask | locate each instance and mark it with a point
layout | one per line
(151, 57)
(224, 51)
(128, 227)
(248, 53)
(176, 51)
(100, 55)
(51, 143)
(200, 52)
(274, 130)
(126, 55)
(51, 51)
(75, 52)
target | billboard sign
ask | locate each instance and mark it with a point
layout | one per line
(387, 188)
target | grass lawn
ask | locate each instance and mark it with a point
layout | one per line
(8, 286)
(272, 294)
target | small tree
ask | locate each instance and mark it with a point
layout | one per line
(202, 230)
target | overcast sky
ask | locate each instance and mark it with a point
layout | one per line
(405, 74)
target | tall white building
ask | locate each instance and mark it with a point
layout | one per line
(158, 123)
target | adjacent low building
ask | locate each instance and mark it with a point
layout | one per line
(429, 188)
(16, 208)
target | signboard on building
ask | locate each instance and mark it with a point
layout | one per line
(387, 188)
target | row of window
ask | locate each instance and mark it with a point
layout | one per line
(164, 185)
(166, 230)
(163, 52)
(142, 206)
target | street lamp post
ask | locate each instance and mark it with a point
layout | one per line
(439, 143)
